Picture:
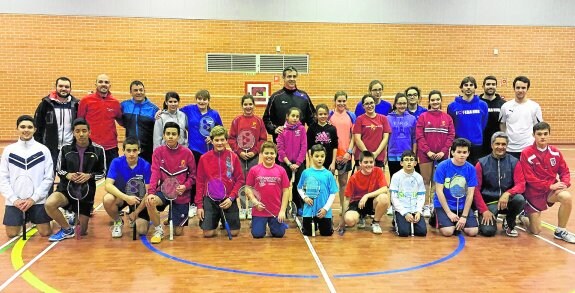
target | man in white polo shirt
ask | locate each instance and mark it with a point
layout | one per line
(518, 116)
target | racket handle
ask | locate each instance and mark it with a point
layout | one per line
(78, 231)
(228, 230)
(171, 230)
(411, 229)
(24, 227)
(134, 232)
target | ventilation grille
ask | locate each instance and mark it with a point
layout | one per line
(221, 62)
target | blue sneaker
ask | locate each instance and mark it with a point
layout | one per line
(62, 234)
(564, 235)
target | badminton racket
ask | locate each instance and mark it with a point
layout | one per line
(216, 191)
(169, 189)
(311, 189)
(78, 191)
(206, 125)
(23, 187)
(254, 199)
(135, 187)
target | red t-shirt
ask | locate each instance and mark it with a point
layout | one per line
(371, 130)
(360, 184)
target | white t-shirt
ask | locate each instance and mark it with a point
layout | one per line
(519, 120)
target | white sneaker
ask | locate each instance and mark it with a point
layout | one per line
(117, 229)
(249, 214)
(158, 235)
(376, 228)
(426, 211)
(361, 223)
(390, 211)
(193, 211)
(243, 214)
(564, 235)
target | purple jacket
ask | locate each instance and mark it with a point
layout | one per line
(292, 143)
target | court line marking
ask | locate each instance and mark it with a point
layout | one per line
(15, 238)
(454, 253)
(28, 276)
(546, 240)
(144, 240)
(317, 261)
(25, 267)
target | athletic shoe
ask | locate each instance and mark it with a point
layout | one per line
(524, 221)
(249, 214)
(505, 226)
(158, 235)
(361, 223)
(564, 235)
(511, 232)
(193, 211)
(243, 214)
(426, 211)
(117, 229)
(62, 234)
(70, 217)
(390, 211)
(375, 228)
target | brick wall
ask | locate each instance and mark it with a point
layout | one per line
(169, 54)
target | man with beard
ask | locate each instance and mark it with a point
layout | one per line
(494, 103)
(469, 116)
(281, 101)
(54, 116)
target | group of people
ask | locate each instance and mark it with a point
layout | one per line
(483, 153)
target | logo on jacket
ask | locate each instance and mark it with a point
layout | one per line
(323, 138)
(553, 162)
(183, 163)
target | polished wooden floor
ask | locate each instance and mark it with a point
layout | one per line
(359, 261)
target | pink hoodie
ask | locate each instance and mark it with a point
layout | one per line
(292, 143)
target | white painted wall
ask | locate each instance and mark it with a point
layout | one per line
(461, 12)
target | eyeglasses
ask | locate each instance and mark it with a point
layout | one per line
(412, 95)
(376, 90)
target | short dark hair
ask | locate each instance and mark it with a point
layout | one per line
(366, 154)
(64, 79)
(522, 78)
(293, 109)
(460, 142)
(489, 77)
(541, 126)
(289, 68)
(317, 148)
(136, 82)
(25, 118)
(80, 121)
(130, 140)
(413, 87)
(268, 145)
(407, 153)
(467, 79)
(171, 124)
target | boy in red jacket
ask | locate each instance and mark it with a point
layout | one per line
(541, 163)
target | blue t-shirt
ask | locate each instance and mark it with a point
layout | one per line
(420, 110)
(196, 141)
(121, 172)
(455, 178)
(327, 186)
